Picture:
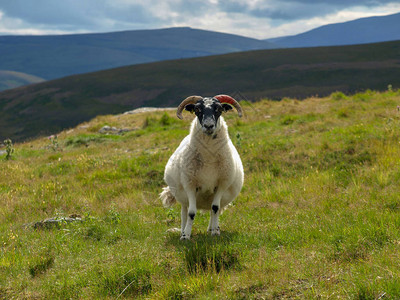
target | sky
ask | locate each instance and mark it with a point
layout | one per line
(259, 19)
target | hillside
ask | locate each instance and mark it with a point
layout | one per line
(10, 79)
(318, 216)
(51, 106)
(359, 31)
(58, 56)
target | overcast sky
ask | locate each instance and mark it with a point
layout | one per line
(253, 18)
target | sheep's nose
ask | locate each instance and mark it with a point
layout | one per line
(208, 127)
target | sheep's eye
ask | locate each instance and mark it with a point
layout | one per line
(196, 109)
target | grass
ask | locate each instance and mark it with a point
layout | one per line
(318, 216)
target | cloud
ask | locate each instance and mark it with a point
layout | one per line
(71, 15)
(289, 10)
(254, 18)
(303, 25)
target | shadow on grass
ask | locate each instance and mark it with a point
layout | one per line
(205, 253)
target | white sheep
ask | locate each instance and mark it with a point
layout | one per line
(205, 172)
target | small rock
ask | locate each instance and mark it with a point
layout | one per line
(105, 129)
(148, 109)
(54, 222)
(114, 130)
(173, 230)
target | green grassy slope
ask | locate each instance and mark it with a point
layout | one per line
(318, 216)
(53, 105)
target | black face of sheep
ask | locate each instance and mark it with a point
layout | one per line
(208, 111)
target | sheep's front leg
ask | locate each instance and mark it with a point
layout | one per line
(184, 214)
(191, 213)
(213, 226)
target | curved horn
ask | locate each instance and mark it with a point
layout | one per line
(230, 100)
(188, 100)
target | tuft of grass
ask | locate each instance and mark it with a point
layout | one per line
(365, 293)
(9, 148)
(338, 96)
(149, 121)
(166, 119)
(41, 264)
(118, 281)
(343, 113)
(205, 256)
(190, 287)
(288, 119)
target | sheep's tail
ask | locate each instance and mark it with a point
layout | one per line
(167, 198)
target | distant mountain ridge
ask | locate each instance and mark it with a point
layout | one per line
(51, 106)
(56, 56)
(360, 31)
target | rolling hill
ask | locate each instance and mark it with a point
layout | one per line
(49, 107)
(360, 31)
(56, 56)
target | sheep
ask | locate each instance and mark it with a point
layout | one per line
(205, 172)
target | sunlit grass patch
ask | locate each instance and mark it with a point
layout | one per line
(288, 119)
(189, 286)
(338, 96)
(203, 254)
(129, 280)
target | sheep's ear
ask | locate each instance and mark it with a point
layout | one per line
(226, 107)
(190, 107)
